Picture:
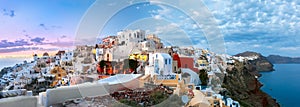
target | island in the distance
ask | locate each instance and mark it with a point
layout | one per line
(277, 59)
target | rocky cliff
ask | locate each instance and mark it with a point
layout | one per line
(242, 84)
(259, 64)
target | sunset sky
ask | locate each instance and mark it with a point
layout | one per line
(265, 26)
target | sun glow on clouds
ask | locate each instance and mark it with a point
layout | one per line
(38, 26)
(26, 54)
(266, 26)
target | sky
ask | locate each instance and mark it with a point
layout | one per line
(264, 26)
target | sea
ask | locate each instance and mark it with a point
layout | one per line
(10, 62)
(283, 84)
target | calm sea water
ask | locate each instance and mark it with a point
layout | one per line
(283, 84)
(9, 62)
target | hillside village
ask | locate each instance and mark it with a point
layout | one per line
(130, 67)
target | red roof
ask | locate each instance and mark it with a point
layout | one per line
(60, 52)
(188, 62)
(176, 58)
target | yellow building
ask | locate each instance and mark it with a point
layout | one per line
(167, 80)
(59, 74)
(94, 51)
(204, 52)
(138, 57)
(202, 62)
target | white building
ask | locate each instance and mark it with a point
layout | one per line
(57, 60)
(193, 77)
(99, 52)
(35, 57)
(127, 36)
(162, 64)
(148, 45)
(231, 103)
(68, 56)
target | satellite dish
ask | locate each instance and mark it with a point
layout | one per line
(184, 99)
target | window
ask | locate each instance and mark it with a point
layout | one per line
(166, 61)
(186, 66)
(169, 61)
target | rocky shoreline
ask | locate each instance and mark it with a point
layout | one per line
(241, 82)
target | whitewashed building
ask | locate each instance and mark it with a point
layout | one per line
(161, 63)
(99, 52)
(127, 36)
(57, 60)
(148, 45)
(68, 56)
(190, 77)
(127, 40)
(35, 57)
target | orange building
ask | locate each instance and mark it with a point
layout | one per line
(188, 62)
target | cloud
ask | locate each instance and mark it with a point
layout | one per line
(62, 44)
(7, 44)
(163, 12)
(181, 25)
(37, 40)
(26, 35)
(9, 50)
(289, 48)
(265, 26)
(10, 13)
(48, 27)
(63, 36)
(43, 26)
(256, 45)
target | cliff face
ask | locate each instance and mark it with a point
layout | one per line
(243, 86)
(259, 64)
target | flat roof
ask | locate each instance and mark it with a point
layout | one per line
(119, 78)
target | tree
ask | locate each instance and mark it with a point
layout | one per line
(102, 63)
(130, 64)
(203, 77)
(100, 66)
(157, 97)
